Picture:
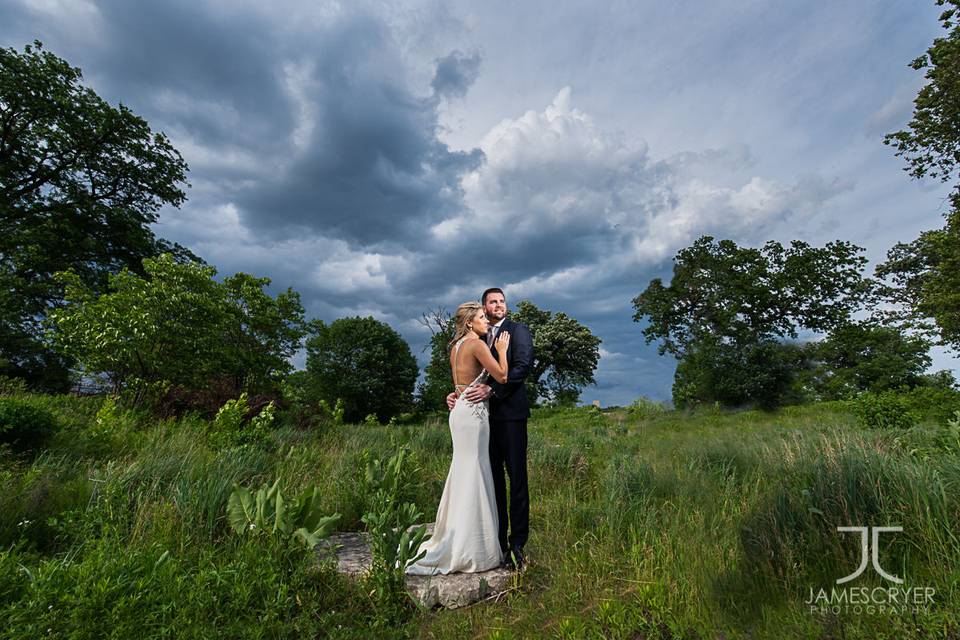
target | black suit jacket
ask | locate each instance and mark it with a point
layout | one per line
(509, 400)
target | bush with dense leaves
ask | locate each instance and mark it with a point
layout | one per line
(886, 410)
(932, 402)
(24, 427)
(762, 374)
(178, 332)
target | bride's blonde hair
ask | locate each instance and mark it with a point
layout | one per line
(462, 318)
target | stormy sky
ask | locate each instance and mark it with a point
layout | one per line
(390, 158)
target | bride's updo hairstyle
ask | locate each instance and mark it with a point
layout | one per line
(462, 319)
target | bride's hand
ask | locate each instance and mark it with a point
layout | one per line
(502, 342)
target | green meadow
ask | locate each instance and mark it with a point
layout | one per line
(645, 523)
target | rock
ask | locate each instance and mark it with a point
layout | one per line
(450, 591)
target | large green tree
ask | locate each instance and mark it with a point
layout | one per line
(365, 363)
(566, 354)
(179, 327)
(922, 278)
(727, 308)
(80, 183)
(761, 372)
(864, 356)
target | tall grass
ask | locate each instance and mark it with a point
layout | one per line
(645, 522)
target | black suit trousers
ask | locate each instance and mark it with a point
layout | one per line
(508, 447)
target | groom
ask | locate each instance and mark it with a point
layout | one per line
(509, 410)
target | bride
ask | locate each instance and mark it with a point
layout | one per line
(465, 535)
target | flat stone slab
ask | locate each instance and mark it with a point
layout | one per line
(450, 591)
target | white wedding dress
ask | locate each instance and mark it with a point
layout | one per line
(465, 535)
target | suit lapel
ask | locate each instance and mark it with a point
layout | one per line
(503, 327)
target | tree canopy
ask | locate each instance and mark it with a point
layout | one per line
(728, 311)
(931, 142)
(178, 326)
(921, 279)
(365, 363)
(743, 293)
(864, 356)
(566, 354)
(437, 379)
(80, 183)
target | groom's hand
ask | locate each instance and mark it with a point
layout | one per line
(478, 393)
(451, 401)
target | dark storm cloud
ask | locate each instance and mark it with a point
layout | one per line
(455, 73)
(329, 135)
(210, 75)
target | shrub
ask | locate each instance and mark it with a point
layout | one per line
(12, 386)
(178, 328)
(267, 513)
(644, 408)
(761, 373)
(228, 428)
(935, 403)
(394, 538)
(24, 427)
(931, 442)
(886, 410)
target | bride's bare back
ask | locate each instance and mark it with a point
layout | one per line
(469, 358)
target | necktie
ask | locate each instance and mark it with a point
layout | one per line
(490, 336)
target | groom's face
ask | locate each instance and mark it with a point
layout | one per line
(496, 307)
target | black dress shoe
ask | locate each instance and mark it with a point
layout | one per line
(507, 562)
(519, 560)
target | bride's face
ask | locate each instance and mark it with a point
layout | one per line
(480, 323)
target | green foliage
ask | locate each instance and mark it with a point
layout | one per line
(730, 306)
(394, 538)
(244, 588)
(921, 282)
(931, 442)
(566, 354)
(923, 276)
(934, 403)
(24, 427)
(437, 380)
(81, 182)
(231, 416)
(644, 408)
(365, 363)
(884, 410)
(102, 435)
(865, 357)
(179, 327)
(301, 406)
(761, 374)
(266, 512)
(12, 386)
(336, 413)
(931, 143)
(228, 427)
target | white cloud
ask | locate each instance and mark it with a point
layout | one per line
(606, 203)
